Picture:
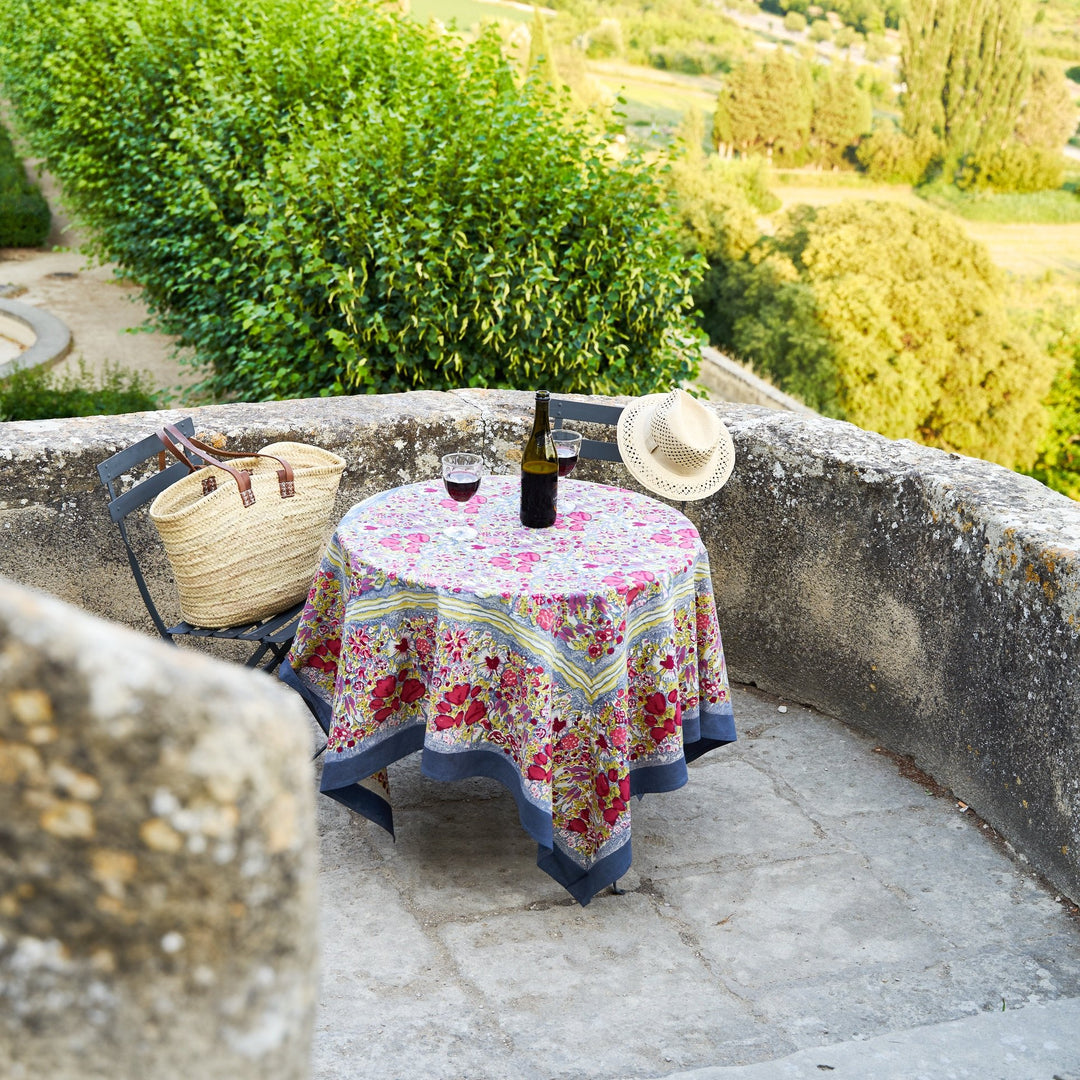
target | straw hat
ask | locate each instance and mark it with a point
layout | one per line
(675, 446)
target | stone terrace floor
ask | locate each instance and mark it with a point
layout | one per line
(799, 909)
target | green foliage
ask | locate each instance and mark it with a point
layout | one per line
(820, 30)
(1041, 207)
(541, 62)
(1048, 116)
(844, 38)
(842, 114)
(759, 311)
(898, 323)
(1012, 168)
(1058, 462)
(716, 204)
(24, 213)
(865, 16)
(772, 105)
(795, 22)
(964, 64)
(693, 37)
(39, 394)
(1049, 308)
(766, 107)
(606, 41)
(328, 198)
(891, 157)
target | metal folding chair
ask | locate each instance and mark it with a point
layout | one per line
(128, 492)
(586, 412)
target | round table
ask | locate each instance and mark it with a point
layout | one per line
(579, 665)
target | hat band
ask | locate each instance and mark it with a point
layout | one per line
(699, 458)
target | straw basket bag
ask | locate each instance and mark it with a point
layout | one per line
(244, 539)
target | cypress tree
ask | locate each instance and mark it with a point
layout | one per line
(765, 106)
(842, 112)
(965, 71)
(541, 63)
(988, 75)
(926, 37)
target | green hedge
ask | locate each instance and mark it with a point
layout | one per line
(327, 198)
(41, 394)
(24, 213)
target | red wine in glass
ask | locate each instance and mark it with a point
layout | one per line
(567, 448)
(568, 456)
(461, 486)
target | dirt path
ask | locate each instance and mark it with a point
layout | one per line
(100, 310)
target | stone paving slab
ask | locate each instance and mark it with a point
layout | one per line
(1035, 1043)
(798, 898)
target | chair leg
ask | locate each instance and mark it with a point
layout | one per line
(277, 652)
(615, 890)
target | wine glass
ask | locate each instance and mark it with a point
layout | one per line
(461, 478)
(567, 448)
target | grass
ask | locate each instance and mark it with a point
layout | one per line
(819, 178)
(655, 101)
(1036, 208)
(466, 13)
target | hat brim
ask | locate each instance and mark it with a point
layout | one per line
(652, 473)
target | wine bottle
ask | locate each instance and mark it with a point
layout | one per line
(539, 471)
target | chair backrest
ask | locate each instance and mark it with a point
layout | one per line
(589, 413)
(124, 502)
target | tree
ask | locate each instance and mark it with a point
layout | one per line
(1047, 116)
(765, 107)
(842, 113)
(891, 156)
(899, 324)
(541, 62)
(964, 64)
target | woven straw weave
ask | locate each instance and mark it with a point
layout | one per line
(236, 564)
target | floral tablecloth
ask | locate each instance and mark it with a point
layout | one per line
(579, 665)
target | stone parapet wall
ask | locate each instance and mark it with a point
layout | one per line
(929, 599)
(158, 914)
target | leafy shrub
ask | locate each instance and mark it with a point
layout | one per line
(327, 198)
(891, 157)
(795, 22)
(692, 59)
(820, 30)
(1058, 461)
(1013, 168)
(39, 394)
(890, 317)
(606, 40)
(24, 213)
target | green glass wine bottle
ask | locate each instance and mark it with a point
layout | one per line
(539, 471)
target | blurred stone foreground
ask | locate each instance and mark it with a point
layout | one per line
(157, 857)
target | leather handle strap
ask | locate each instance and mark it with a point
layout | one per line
(285, 473)
(243, 480)
(172, 438)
